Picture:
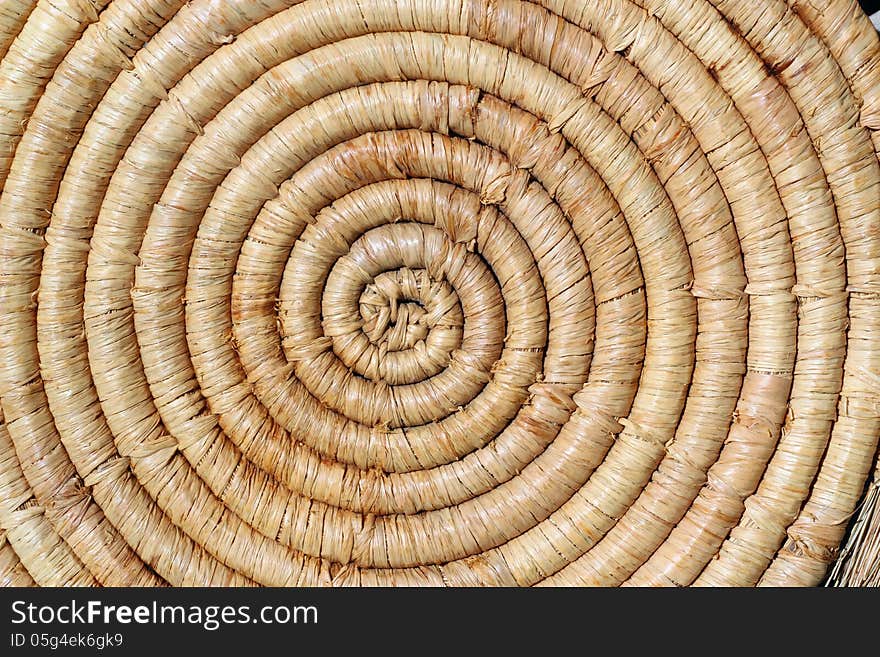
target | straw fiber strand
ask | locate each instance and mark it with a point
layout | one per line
(447, 292)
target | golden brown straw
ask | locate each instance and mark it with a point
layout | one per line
(449, 292)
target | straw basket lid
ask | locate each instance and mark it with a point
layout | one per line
(449, 292)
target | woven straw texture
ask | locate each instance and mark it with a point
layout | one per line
(437, 292)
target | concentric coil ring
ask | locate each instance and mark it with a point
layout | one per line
(466, 292)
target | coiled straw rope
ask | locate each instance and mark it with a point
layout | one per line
(446, 292)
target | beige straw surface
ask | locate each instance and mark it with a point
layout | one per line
(439, 292)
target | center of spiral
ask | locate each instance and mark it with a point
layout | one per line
(399, 326)
(395, 309)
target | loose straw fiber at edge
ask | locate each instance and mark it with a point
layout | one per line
(446, 292)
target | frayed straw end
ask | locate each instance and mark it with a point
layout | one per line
(859, 561)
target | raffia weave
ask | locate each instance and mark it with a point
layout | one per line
(444, 292)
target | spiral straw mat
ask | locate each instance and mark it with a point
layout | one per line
(439, 292)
